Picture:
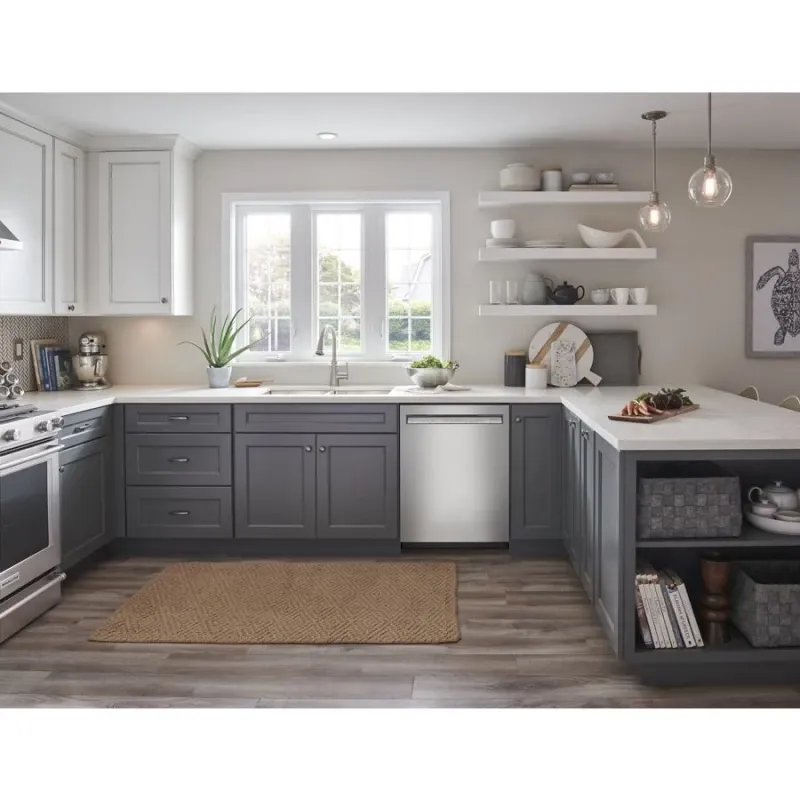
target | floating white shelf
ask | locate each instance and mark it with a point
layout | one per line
(567, 198)
(559, 312)
(566, 253)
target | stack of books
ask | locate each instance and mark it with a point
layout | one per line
(665, 613)
(52, 365)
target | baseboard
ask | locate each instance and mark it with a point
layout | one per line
(537, 548)
(259, 548)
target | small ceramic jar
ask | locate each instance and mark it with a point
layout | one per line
(552, 180)
(519, 177)
(600, 297)
(535, 376)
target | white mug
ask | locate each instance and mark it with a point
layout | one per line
(600, 296)
(620, 296)
(639, 296)
(503, 228)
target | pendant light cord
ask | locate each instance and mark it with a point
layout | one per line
(709, 124)
(655, 189)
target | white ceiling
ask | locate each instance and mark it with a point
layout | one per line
(249, 121)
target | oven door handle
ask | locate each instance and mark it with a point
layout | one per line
(40, 455)
(41, 590)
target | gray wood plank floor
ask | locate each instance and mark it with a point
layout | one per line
(529, 639)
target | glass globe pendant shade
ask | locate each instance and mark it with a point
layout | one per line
(710, 186)
(655, 216)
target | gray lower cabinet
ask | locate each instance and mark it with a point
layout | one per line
(275, 486)
(306, 486)
(85, 475)
(185, 512)
(586, 526)
(608, 539)
(536, 474)
(357, 486)
(571, 476)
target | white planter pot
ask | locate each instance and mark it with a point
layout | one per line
(219, 377)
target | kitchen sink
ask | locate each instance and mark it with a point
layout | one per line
(323, 391)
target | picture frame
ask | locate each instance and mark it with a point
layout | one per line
(772, 296)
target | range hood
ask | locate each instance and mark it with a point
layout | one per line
(7, 239)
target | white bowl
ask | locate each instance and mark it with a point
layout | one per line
(772, 525)
(503, 228)
(593, 237)
(605, 177)
(763, 509)
(581, 177)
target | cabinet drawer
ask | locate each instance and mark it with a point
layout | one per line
(178, 460)
(85, 426)
(170, 418)
(179, 513)
(315, 418)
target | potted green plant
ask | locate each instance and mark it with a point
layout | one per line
(218, 349)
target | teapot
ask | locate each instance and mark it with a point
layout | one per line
(566, 294)
(776, 492)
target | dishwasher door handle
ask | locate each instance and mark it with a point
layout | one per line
(420, 419)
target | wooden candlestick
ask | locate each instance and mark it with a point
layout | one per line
(715, 601)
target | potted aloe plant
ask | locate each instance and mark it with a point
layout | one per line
(218, 348)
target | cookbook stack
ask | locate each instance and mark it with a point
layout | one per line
(665, 613)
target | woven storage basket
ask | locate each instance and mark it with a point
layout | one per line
(700, 501)
(765, 602)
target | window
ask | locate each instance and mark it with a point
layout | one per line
(374, 270)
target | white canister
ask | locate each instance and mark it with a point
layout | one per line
(535, 376)
(552, 180)
(503, 228)
(519, 177)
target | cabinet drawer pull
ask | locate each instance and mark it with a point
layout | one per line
(572, 423)
(322, 449)
(180, 460)
(81, 428)
(179, 513)
(178, 418)
(308, 448)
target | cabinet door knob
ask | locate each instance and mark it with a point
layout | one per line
(164, 300)
(572, 423)
(322, 449)
(308, 448)
(61, 469)
(70, 308)
(518, 419)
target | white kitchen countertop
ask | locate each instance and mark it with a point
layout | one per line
(723, 422)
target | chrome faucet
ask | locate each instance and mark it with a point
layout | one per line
(336, 376)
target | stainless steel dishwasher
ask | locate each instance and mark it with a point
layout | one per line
(454, 474)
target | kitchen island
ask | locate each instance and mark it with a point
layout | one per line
(573, 488)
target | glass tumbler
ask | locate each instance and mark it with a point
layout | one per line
(512, 292)
(496, 293)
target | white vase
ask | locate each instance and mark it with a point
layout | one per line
(219, 377)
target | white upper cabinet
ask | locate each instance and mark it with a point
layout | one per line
(69, 230)
(144, 248)
(26, 207)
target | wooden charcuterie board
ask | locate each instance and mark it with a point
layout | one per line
(655, 417)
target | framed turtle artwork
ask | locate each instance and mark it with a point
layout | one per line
(772, 297)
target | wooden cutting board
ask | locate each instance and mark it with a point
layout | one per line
(655, 417)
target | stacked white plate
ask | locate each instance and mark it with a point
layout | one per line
(771, 524)
(504, 242)
(545, 243)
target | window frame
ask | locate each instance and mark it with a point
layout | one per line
(303, 206)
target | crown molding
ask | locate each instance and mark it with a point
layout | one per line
(172, 142)
(48, 126)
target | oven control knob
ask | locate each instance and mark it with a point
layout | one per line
(46, 426)
(12, 435)
(58, 422)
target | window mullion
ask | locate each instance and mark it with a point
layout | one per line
(303, 283)
(373, 300)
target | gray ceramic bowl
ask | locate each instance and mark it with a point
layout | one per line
(431, 378)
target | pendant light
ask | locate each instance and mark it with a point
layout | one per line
(710, 186)
(655, 216)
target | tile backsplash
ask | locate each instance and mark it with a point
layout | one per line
(27, 328)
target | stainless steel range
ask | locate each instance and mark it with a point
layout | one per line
(30, 538)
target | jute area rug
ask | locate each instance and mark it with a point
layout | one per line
(285, 602)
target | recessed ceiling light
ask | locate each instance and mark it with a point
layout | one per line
(327, 135)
